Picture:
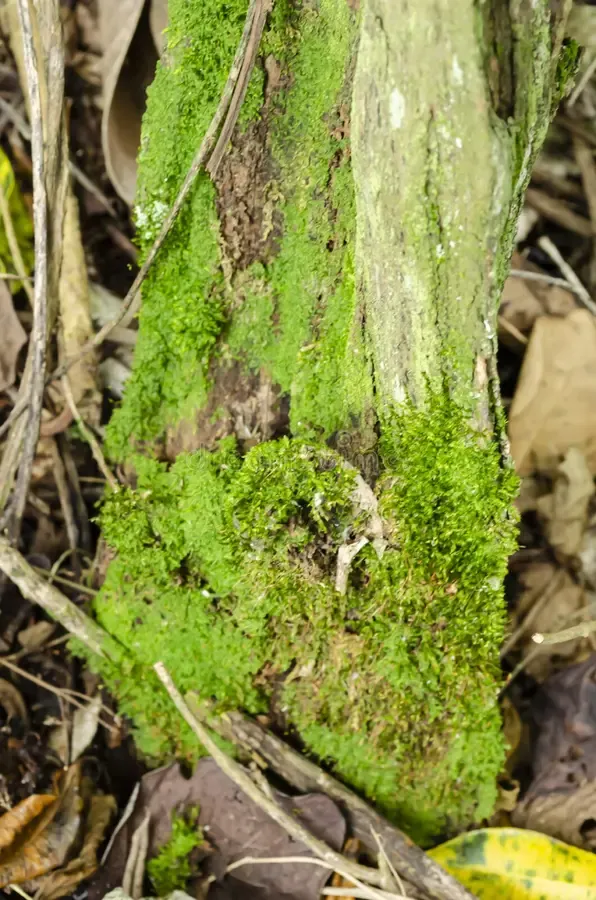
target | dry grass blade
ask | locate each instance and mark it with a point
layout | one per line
(367, 891)
(89, 437)
(131, 302)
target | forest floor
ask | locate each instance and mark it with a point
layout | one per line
(60, 734)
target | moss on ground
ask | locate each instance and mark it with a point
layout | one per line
(226, 572)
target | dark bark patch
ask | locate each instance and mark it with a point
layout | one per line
(244, 404)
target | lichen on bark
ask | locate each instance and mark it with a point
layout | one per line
(331, 299)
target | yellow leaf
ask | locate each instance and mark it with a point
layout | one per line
(495, 863)
(21, 222)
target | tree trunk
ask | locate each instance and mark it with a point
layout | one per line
(325, 536)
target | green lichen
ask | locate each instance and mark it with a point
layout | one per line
(170, 869)
(226, 572)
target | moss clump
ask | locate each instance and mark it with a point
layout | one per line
(226, 572)
(170, 869)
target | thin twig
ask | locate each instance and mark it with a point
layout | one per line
(241, 87)
(59, 473)
(233, 770)
(583, 630)
(558, 211)
(67, 582)
(63, 693)
(528, 275)
(131, 302)
(35, 589)
(549, 248)
(382, 853)
(281, 860)
(37, 340)
(89, 436)
(579, 87)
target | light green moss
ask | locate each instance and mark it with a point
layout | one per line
(170, 869)
(226, 572)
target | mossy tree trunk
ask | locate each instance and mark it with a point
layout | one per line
(322, 518)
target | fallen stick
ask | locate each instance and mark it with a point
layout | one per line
(34, 588)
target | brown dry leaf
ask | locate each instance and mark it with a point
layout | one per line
(76, 327)
(44, 843)
(11, 700)
(553, 407)
(129, 59)
(562, 796)
(35, 636)
(63, 881)
(24, 815)
(548, 602)
(13, 340)
(158, 22)
(519, 304)
(565, 511)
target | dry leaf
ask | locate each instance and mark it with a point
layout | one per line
(234, 823)
(14, 338)
(45, 844)
(24, 816)
(12, 702)
(565, 511)
(63, 881)
(84, 727)
(36, 635)
(59, 743)
(560, 800)
(75, 316)
(519, 304)
(129, 67)
(553, 407)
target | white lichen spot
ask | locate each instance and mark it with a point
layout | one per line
(397, 108)
(452, 244)
(456, 71)
(399, 394)
(439, 250)
(458, 143)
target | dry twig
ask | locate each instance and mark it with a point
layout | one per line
(89, 436)
(547, 245)
(33, 587)
(409, 860)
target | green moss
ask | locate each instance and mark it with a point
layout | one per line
(170, 869)
(183, 296)
(226, 572)
(298, 316)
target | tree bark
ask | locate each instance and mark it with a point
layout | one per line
(329, 301)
